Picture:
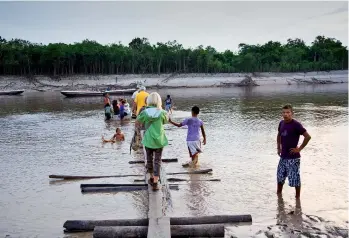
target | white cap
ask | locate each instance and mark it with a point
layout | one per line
(142, 88)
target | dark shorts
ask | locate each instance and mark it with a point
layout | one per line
(107, 116)
(289, 168)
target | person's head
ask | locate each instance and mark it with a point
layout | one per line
(106, 94)
(118, 130)
(168, 96)
(287, 112)
(123, 102)
(195, 111)
(154, 100)
(142, 88)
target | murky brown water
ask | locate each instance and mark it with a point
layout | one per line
(45, 133)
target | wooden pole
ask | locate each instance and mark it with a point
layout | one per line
(204, 171)
(142, 161)
(98, 185)
(91, 177)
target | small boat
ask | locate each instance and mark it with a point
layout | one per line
(12, 92)
(129, 91)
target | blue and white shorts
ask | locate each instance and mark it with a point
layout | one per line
(289, 168)
(168, 107)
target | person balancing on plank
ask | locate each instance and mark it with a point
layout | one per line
(154, 140)
(193, 136)
(289, 131)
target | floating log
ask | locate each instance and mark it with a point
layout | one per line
(204, 171)
(91, 177)
(139, 180)
(176, 231)
(179, 179)
(97, 185)
(89, 225)
(112, 189)
(142, 161)
(219, 219)
(120, 189)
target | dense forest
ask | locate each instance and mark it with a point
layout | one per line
(20, 57)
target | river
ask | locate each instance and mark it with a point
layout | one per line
(44, 133)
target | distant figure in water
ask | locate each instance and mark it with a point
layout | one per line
(193, 136)
(168, 104)
(289, 131)
(118, 136)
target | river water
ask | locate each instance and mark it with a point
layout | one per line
(43, 133)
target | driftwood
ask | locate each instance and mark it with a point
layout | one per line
(89, 225)
(112, 189)
(91, 177)
(176, 231)
(204, 171)
(142, 161)
(179, 179)
(120, 189)
(98, 185)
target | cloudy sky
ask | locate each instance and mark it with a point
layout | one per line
(222, 25)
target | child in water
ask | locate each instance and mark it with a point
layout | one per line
(168, 104)
(193, 136)
(118, 136)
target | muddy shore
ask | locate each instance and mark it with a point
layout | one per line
(101, 82)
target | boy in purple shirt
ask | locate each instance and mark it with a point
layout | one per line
(193, 136)
(289, 131)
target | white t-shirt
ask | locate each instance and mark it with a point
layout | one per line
(135, 94)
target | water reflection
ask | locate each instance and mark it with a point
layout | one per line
(293, 219)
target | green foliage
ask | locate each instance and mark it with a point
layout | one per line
(20, 57)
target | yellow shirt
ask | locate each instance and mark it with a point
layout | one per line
(140, 100)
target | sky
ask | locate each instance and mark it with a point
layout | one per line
(222, 25)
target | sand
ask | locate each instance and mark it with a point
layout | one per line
(101, 82)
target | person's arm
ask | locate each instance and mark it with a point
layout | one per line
(203, 134)
(278, 141)
(123, 137)
(174, 123)
(302, 131)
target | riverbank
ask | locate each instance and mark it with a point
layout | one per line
(101, 82)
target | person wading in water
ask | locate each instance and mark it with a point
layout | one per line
(289, 131)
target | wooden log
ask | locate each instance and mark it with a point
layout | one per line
(142, 161)
(179, 180)
(88, 225)
(204, 171)
(211, 230)
(120, 189)
(99, 185)
(219, 219)
(91, 177)
(112, 189)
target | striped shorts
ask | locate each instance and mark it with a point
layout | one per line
(289, 168)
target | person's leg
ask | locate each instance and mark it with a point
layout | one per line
(150, 154)
(294, 177)
(157, 165)
(281, 175)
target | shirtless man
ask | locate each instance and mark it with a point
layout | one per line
(118, 136)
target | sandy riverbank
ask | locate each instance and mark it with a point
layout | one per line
(101, 82)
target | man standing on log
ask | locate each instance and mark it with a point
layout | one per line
(289, 131)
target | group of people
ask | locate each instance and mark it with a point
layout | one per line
(119, 108)
(151, 118)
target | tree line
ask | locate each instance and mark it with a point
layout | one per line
(21, 57)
